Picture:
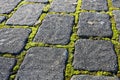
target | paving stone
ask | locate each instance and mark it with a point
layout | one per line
(116, 3)
(6, 6)
(43, 63)
(37, 0)
(63, 5)
(94, 24)
(95, 55)
(6, 64)
(13, 40)
(98, 5)
(2, 18)
(55, 29)
(88, 77)
(116, 14)
(21, 18)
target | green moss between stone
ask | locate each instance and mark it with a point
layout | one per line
(69, 71)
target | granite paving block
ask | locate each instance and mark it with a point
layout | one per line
(43, 63)
(95, 55)
(116, 14)
(2, 18)
(6, 64)
(94, 24)
(26, 15)
(55, 29)
(13, 40)
(89, 77)
(63, 6)
(97, 5)
(6, 6)
(37, 0)
(116, 3)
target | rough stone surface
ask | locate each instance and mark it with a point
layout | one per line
(116, 3)
(6, 64)
(88, 77)
(37, 0)
(94, 5)
(95, 55)
(42, 63)
(94, 24)
(2, 18)
(63, 6)
(13, 40)
(117, 18)
(55, 29)
(26, 15)
(6, 6)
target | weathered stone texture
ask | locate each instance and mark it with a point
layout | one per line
(42, 63)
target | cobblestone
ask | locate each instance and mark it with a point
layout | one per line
(87, 77)
(42, 63)
(2, 18)
(63, 6)
(116, 3)
(37, 0)
(6, 64)
(94, 24)
(6, 6)
(97, 5)
(116, 17)
(13, 40)
(59, 40)
(55, 29)
(26, 15)
(95, 55)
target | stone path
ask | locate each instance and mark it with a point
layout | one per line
(59, 39)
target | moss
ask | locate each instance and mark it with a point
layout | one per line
(12, 77)
(16, 68)
(46, 8)
(99, 73)
(69, 71)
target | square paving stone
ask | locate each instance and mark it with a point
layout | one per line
(94, 24)
(13, 40)
(95, 55)
(98, 5)
(43, 63)
(55, 29)
(37, 0)
(2, 18)
(116, 3)
(89, 77)
(26, 15)
(6, 6)
(6, 64)
(63, 5)
(116, 14)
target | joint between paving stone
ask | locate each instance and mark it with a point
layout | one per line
(69, 69)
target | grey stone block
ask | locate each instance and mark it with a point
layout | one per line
(63, 5)
(37, 0)
(89, 77)
(13, 40)
(94, 24)
(116, 14)
(42, 63)
(98, 5)
(55, 29)
(26, 15)
(6, 64)
(6, 6)
(2, 18)
(95, 55)
(116, 3)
